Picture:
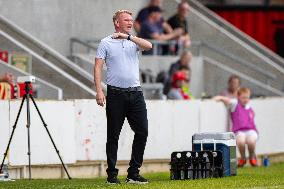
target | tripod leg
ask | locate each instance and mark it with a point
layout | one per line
(12, 134)
(53, 143)
(28, 130)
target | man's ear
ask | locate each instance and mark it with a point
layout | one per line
(116, 23)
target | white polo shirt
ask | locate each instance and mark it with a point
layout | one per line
(121, 57)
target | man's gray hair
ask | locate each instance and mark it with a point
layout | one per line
(118, 13)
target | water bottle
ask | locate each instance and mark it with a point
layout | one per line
(266, 161)
(181, 175)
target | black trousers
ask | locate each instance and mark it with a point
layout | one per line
(130, 105)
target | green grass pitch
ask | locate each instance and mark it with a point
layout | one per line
(255, 178)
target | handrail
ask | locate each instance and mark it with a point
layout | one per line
(85, 43)
(199, 44)
(258, 48)
(45, 51)
(240, 60)
(157, 43)
(48, 63)
(250, 79)
(58, 89)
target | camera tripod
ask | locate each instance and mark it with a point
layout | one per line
(27, 96)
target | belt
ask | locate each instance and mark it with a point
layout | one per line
(129, 89)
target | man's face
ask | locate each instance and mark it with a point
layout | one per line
(234, 84)
(244, 98)
(157, 16)
(185, 60)
(125, 23)
(183, 10)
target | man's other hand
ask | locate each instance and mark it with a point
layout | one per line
(100, 98)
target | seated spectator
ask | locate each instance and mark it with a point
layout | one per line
(184, 61)
(179, 21)
(7, 77)
(178, 81)
(6, 86)
(143, 16)
(9, 89)
(242, 116)
(152, 29)
(234, 83)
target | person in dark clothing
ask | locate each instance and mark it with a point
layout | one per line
(152, 29)
(143, 16)
(184, 61)
(179, 21)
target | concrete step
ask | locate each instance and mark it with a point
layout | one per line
(47, 64)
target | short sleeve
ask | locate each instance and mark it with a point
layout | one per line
(101, 51)
(233, 105)
(172, 22)
(151, 30)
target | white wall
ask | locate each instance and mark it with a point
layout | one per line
(59, 116)
(270, 124)
(79, 129)
(4, 125)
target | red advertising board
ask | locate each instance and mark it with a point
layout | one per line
(4, 56)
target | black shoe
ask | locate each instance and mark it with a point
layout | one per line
(136, 179)
(112, 180)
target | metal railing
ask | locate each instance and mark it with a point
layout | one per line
(92, 44)
(47, 56)
(85, 43)
(244, 76)
(48, 64)
(260, 50)
(45, 89)
(235, 58)
(156, 44)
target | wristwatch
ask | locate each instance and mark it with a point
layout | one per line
(128, 38)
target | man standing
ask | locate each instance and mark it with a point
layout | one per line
(124, 94)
